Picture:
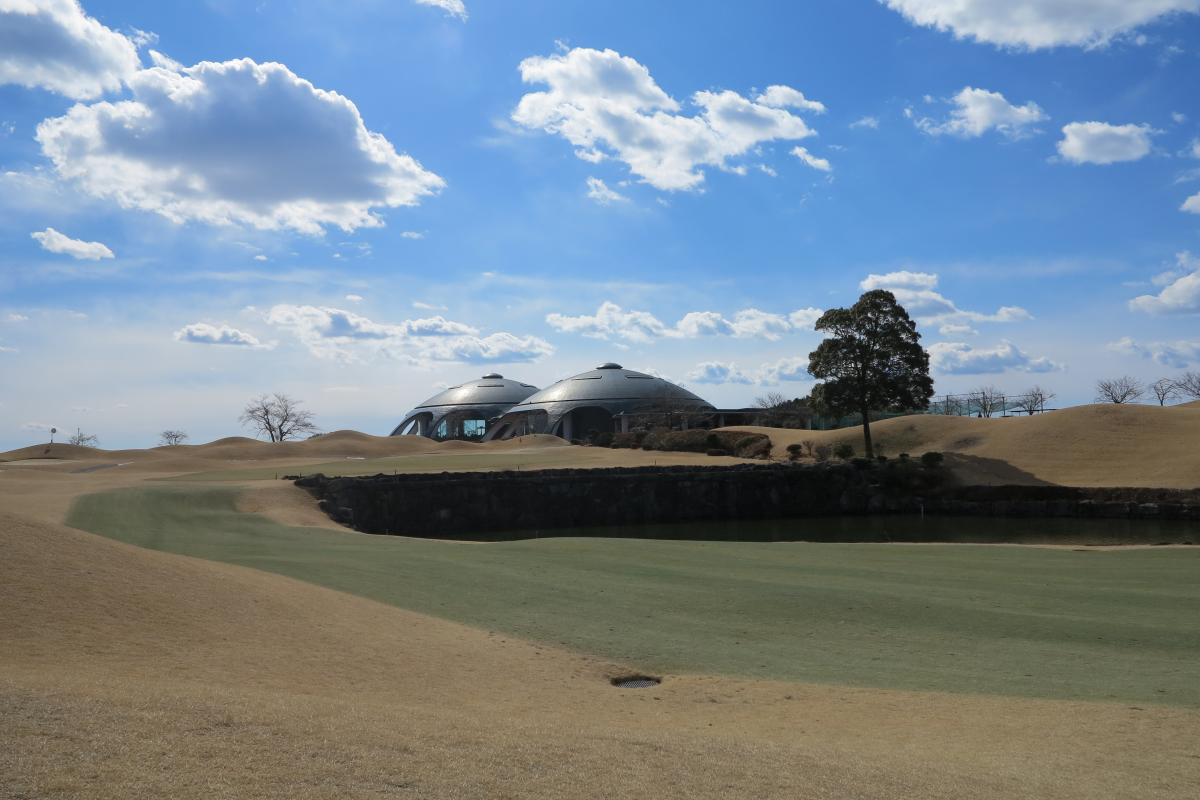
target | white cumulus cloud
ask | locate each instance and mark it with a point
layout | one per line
(866, 122)
(978, 111)
(783, 370)
(235, 143)
(787, 97)
(956, 358)
(598, 191)
(808, 158)
(1181, 291)
(608, 106)
(53, 44)
(203, 333)
(1179, 354)
(56, 242)
(805, 318)
(454, 7)
(16, 318)
(1101, 143)
(1035, 24)
(336, 333)
(915, 291)
(718, 372)
(641, 326)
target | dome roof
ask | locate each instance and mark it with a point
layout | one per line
(491, 389)
(610, 383)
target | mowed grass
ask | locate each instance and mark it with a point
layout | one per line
(1118, 625)
(537, 459)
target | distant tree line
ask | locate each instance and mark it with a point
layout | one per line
(1128, 389)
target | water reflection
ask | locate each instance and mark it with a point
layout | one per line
(963, 530)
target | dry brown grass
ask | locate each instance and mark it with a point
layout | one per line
(1096, 445)
(132, 673)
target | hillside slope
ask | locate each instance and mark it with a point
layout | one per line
(1094, 445)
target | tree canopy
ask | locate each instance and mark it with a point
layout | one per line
(871, 360)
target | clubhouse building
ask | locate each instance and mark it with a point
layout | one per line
(607, 398)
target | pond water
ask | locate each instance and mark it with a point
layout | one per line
(962, 530)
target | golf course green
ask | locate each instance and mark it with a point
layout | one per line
(1111, 625)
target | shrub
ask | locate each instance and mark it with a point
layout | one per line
(640, 435)
(716, 451)
(576, 441)
(760, 448)
(794, 449)
(823, 452)
(904, 456)
(603, 439)
(844, 451)
(809, 444)
(861, 463)
(932, 459)
(882, 459)
(746, 441)
(699, 440)
(624, 440)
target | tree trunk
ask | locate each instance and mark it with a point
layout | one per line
(866, 415)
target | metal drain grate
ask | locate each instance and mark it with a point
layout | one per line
(636, 683)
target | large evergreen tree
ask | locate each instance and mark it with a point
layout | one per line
(871, 361)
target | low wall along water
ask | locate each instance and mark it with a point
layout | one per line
(450, 504)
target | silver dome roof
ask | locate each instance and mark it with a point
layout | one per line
(491, 389)
(607, 384)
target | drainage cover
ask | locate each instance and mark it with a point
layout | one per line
(635, 683)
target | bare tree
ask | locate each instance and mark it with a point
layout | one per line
(172, 437)
(1033, 400)
(83, 439)
(279, 417)
(1125, 389)
(770, 400)
(780, 412)
(1165, 389)
(1189, 384)
(987, 399)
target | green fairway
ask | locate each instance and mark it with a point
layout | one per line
(533, 459)
(996, 620)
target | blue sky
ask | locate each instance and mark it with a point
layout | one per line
(359, 202)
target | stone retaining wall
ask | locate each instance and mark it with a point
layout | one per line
(441, 504)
